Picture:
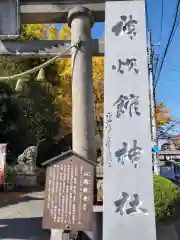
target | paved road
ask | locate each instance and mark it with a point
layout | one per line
(22, 219)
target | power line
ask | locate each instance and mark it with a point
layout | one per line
(176, 67)
(175, 70)
(174, 123)
(171, 35)
(177, 24)
(162, 15)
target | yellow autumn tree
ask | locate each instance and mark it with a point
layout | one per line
(59, 73)
(34, 31)
(64, 94)
(64, 78)
(162, 115)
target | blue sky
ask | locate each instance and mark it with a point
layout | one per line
(169, 82)
(168, 89)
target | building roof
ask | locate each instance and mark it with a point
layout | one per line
(65, 155)
(169, 152)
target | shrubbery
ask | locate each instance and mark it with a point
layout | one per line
(10, 174)
(166, 196)
(167, 200)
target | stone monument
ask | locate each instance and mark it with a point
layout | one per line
(128, 183)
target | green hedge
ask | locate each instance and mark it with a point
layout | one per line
(167, 200)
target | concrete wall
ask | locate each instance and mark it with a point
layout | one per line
(24, 180)
(170, 232)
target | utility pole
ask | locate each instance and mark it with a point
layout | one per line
(152, 105)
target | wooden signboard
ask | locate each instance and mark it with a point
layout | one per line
(69, 193)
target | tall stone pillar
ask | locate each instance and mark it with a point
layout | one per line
(80, 20)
